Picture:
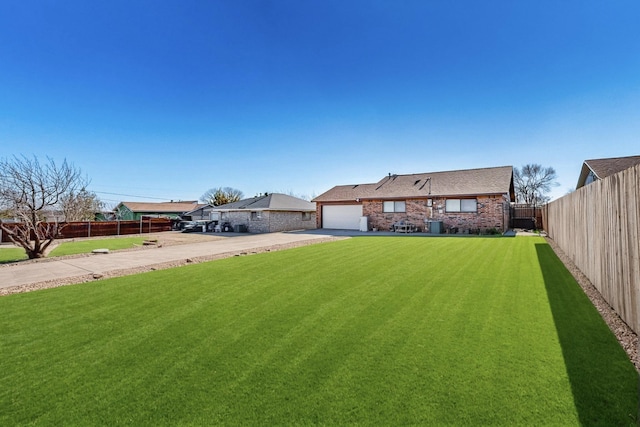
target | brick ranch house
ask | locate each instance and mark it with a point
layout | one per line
(474, 200)
(268, 214)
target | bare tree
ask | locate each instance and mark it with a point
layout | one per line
(532, 183)
(80, 206)
(221, 196)
(28, 188)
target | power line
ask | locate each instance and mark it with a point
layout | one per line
(131, 195)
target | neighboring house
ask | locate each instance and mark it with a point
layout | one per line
(464, 200)
(202, 213)
(268, 214)
(136, 210)
(106, 216)
(52, 215)
(596, 169)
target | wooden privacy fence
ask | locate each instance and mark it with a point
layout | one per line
(109, 228)
(597, 226)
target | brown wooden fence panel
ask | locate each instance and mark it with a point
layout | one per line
(526, 216)
(110, 228)
(597, 226)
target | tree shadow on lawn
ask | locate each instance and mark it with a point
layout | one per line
(603, 380)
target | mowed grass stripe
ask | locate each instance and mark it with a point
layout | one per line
(86, 246)
(363, 331)
(11, 254)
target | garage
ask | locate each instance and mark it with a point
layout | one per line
(341, 217)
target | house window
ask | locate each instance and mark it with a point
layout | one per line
(461, 205)
(394, 207)
(256, 216)
(306, 216)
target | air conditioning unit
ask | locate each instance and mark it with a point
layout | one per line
(364, 225)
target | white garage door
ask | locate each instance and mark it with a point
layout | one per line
(342, 217)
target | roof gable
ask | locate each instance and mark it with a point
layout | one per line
(602, 168)
(470, 182)
(163, 207)
(274, 201)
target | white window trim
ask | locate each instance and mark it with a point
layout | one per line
(450, 205)
(399, 206)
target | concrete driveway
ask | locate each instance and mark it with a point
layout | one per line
(74, 269)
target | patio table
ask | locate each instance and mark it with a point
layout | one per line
(404, 227)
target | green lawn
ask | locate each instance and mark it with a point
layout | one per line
(368, 331)
(11, 253)
(86, 246)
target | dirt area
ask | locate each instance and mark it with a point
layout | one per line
(162, 239)
(159, 240)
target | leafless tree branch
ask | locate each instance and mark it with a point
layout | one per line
(27, 189)
(532, 183)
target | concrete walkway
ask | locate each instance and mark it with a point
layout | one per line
(69, 268)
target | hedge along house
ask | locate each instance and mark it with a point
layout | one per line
(269, 213)
(474, 200)
(137, 210)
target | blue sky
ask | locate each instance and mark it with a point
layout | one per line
(166, 99)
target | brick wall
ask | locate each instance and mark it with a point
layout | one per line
(270, 221)
(236, 218)
(318, 215)
(288, 221)
(492, 213)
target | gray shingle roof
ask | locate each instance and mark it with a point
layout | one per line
(603, 168)
(273, 202)
(470, 182)
(163, 207)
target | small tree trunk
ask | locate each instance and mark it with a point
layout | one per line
(44, 235)
(32, 254)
